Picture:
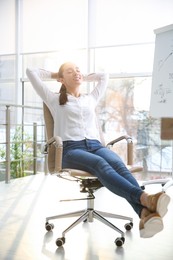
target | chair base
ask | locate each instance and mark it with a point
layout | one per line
(88, 215)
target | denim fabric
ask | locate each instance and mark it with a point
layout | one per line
(106, 165)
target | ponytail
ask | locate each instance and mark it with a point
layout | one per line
(63, 95)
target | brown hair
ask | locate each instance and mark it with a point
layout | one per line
(63, 95)
(63, 92)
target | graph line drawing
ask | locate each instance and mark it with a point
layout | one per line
(162, 62)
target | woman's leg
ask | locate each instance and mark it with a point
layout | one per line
(117, 164)
(115, 161)
(85, 159)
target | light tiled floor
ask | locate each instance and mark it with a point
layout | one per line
(26, 202)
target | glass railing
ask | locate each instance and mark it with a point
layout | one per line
(20, 143)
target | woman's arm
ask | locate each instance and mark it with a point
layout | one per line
(95, 77)
(37, 77)
(55, 75)
(102, 81)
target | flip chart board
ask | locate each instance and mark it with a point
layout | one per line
(161, 102)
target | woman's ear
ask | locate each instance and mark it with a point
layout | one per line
(60, 80)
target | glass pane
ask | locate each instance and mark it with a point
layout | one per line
(54, 25)
(7, 26)
(125, 21)
(7, 67)
(53, 60)
(7, 93)
(125, 59)
(120, 114)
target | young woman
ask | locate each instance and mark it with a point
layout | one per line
(74, 120)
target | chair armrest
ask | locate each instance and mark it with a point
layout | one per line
(58, 155)
(57, 143)
(129, 147)
(54, 140)
(126, 137)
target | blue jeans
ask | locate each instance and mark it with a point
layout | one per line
(106, 165)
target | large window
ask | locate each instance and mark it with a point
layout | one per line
(99, 35)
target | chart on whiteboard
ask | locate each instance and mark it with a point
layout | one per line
(161, 103)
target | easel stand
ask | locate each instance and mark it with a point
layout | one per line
(166, 134)
(161, 92)
(169, 183)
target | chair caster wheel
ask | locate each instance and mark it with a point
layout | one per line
(128, 226)
(49, 227)
(60, 241)
(119, 241)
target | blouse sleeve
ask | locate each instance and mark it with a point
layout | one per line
(37, 77)
(101, 80)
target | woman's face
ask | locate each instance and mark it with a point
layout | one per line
(71, 75)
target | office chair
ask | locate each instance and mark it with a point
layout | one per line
(88, 184)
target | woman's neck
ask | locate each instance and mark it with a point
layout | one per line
(74, 92)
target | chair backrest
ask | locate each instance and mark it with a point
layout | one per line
(49, 124)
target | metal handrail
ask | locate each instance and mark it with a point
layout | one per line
(8, 142)
(20, 106)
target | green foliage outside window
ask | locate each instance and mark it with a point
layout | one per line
(20, 153)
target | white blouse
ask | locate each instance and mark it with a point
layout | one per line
(76, 120)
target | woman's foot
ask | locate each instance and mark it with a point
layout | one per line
(150, 224)
(158, 203)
